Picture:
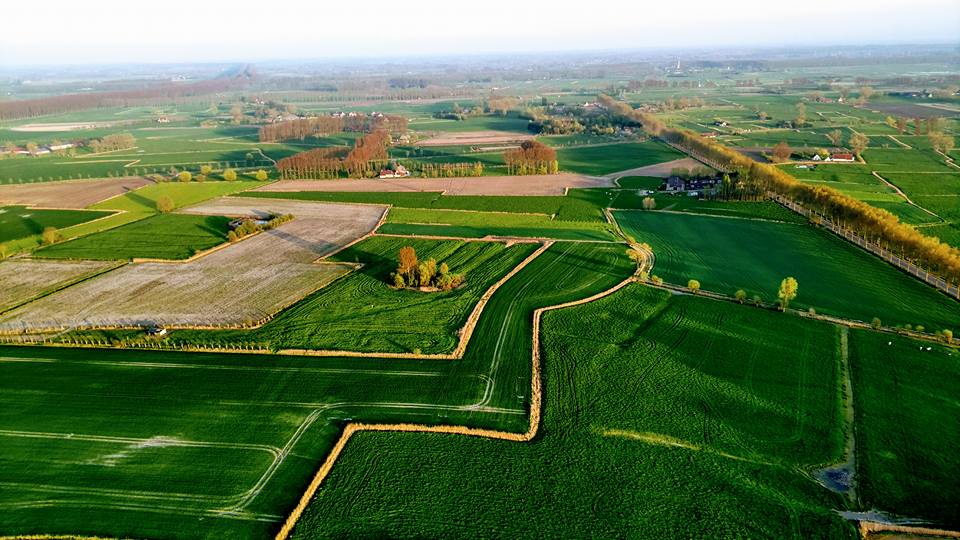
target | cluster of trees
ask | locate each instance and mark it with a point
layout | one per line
(28, 108)
(116, 141)
(460, 113)
(941, 142)
(317, 163)
(412, 272)
(368, 154)
(250, 226)
(501, 105)
(451, 170)
(532, 157)
(553, 125)
(327, 125)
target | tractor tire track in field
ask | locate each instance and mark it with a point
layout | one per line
(535, 405)
(841, 477)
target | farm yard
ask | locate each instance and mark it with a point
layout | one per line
(168, 370)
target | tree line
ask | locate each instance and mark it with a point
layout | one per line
(532, 157)
(451, 170)
(28, 108)
(327, 125)
(870, 222)
(368, 154)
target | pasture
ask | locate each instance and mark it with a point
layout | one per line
(149, 424)
(835, 277)
(656, 408)
(907, 412)
(480, 224)
(362, 312)
(19, 222)
(164, 236)
(598, 160)
(238, 285)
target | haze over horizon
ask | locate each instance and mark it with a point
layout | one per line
(115, 32)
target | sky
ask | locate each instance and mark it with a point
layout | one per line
(112, 31)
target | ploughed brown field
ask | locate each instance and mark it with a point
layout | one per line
(550, 184)
(69, 193)
(239, 284)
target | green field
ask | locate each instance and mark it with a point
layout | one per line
(609, 158)
(676, 416)
(165, 236)
(18, 222)
(114, 442)
(577, 205)
(907, 412)
(361, 312)
(480, 224)
(640, 182)
(630, 200)
(835, 278)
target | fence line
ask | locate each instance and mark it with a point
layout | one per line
(907, 266)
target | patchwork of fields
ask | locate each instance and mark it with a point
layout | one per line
(238, 285)
(730, 254)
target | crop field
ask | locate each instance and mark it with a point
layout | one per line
(609, 158)
(630, 200)
(69, 194)
(240, 284)
(18, 222)
(361, 312)
(835, 277)
(164, 236)
(478, 123)
(474, 137)
(655, 407)
(577, 205)
(24, 279)
(150, 424)
(158, 150)
(553, 184)
(640, 182)
(907, 412)
(480, 224)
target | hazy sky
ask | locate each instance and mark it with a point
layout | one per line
(107, 31)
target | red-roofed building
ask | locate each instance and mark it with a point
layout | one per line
(709, 134)
(841, 157)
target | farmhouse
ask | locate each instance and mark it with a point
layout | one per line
(63, 146)
(399, 172)
(677, 184)
(709, 134)
(845, 157)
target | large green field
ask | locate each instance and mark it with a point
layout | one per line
(164, 236)
(675, 416)
(17, 222)
(173, 445)
(480, 224)
(835, 278)
(907, 413)
(362, 312)
(598, 160)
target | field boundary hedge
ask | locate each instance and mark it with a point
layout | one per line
(536, 399)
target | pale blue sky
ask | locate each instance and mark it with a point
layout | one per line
(108, 31)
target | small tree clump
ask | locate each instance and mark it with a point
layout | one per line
(184, 176)
(693, 285)
(229, 175)
(741, 295)
(206, 170)
(656, 280)
(50, 236)
(876, 323)
(649, 203)
(262, 175)
(425, 274)
(787, 292)
(164, 204)
(947, 335)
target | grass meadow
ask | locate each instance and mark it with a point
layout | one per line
(835, 277)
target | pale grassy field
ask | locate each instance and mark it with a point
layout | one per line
(23, 279)
(547, 184)
(233, 286)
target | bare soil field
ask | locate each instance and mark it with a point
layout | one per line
(23, 279)
(67, 126)
(69, 193)
(918, 110)
(239, 285)
(550, 184)
(474, 137)
(658, 169)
